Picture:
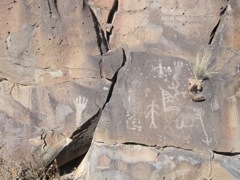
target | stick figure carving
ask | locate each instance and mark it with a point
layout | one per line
(152, 114)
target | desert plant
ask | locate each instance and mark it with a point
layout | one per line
(203, 68)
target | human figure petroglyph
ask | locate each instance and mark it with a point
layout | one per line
(199, 114)
(161, 70)
(80, 104)
(168, 102)
(152, 113)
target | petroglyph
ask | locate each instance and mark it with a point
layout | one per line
(177, 68)
(161, 70)
(152, 113)
(80, 104)
(46, 90)
(175, 86)
(238, 68)
(132, 91)
(162, 138)
(199, 114)
(146, 92)
(136, 83)
(132, 123)
(185, 121)
(131, 95)
(168, 102)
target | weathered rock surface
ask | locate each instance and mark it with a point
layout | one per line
(51, 43)
(176, 28)
(117, 72)
(138, 162)
(52, 87)
(150, 105)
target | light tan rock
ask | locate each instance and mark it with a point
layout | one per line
(50, 43)
(103, 11)
(166, 27)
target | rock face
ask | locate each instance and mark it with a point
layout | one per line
(52, 87)
(110, 78)
(138, 162)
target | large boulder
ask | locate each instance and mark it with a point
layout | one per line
(150, 107)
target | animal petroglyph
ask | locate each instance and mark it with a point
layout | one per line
(80, 104)
(152, 113)
(199, 114)
(168, 102)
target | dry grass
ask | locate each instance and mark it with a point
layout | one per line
(203, 69)
(20, 171)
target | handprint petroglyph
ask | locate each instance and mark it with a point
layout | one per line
(177, 68)
(80, 104)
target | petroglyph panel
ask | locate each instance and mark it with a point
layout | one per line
(151, 97)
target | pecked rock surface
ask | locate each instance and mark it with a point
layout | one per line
(110, 79)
